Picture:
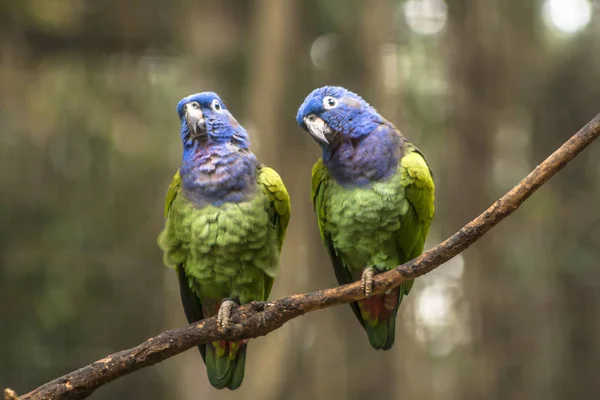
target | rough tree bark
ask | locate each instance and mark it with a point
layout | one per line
(259, 318)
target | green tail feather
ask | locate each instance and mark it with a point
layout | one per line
(224, 372)
(382, 334)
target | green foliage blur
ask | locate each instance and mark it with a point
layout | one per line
(89, 140)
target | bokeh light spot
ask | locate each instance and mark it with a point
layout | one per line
(321, 49)
(568, 16)
(426, 17)
(433, 306)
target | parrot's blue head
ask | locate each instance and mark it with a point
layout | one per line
(332, 113)
(205, 121)
(217, 165)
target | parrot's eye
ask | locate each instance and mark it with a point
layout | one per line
(329, 102)
(216, 105)
(195, 105)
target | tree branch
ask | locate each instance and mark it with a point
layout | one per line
(258, 319)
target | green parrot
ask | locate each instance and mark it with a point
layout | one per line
(373, 195)
(226, 218)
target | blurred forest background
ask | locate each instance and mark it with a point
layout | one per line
(486, 89)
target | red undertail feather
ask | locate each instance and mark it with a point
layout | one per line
(379, 308)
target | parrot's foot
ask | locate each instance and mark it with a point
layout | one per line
(366, 281)
(224, 314)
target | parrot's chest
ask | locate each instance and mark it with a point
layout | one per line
(365, 221)
(226, 248)
(227, 228)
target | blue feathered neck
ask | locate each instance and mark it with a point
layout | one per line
(218, 174)
(362, 161)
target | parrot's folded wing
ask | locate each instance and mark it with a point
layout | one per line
(320, 180)
(279, 206)
(172, 192)
(191, 304)
(419, 189)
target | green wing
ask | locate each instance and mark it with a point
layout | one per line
(191, 303)
(172, 192)
(279, 207)
(419, 189)
(320, 178)
(320, 181)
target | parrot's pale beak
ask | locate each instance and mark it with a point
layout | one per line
(195, 120)
(317, 128)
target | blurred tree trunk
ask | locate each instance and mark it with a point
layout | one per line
(374, 31)
(488, 38)
(475, 83)
(568, 102)
(272, 27)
